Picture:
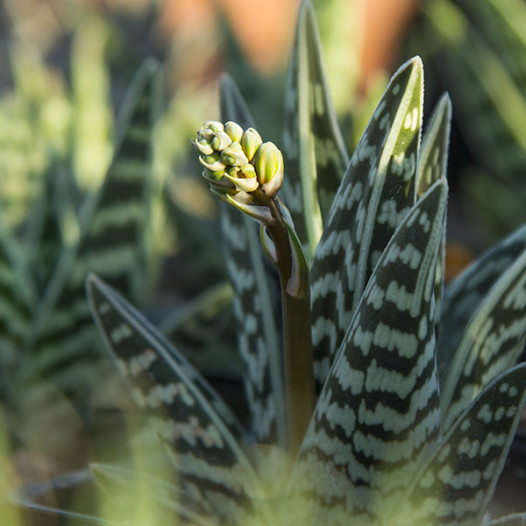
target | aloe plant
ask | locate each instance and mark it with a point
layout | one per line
(410, 395)
(48, 342)
(56, 228)
(417, 394)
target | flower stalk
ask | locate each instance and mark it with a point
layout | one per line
(247, 173)
(297, 344)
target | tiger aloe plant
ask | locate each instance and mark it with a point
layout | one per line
(416, 392)
(48, 344)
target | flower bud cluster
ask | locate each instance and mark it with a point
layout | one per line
(237, 160)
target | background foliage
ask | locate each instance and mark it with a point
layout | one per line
(66, 69)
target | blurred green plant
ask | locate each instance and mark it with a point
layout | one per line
(49, 345)
(478, 48)
(418, 394)
(68, 196)
(43, 123)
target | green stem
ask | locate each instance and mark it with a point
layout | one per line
(295, 297)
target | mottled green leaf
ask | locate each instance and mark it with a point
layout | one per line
(457, 482)
(377, 191)
(432, 165)
(464, 296)
(256, 303)
(17, 298)
(110, 242)
(314, 151)
(379, 409)
(491, 344)
(204, 439)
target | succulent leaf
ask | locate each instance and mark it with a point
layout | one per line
(315, 154)
(485, 72)
(112, 224)
(491, 344)
(379, 409)
(432, 165)
(455, 485)
(375, 195)
(256, 303)
(463, 297)
(18, 292)
(204, 439)
(52, 223)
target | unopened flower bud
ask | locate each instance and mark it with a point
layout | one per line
(241, 181)
(234, 131)
(221, 141)
(237, 163)
(208, 130)
(248, 170)
(234, 155)
(218, 180)
(212, 162)
(268, 163)
(203, 147)
(251, 142)
(215, 126)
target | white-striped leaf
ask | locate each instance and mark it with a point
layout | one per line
(379, 409)
(464, 296)
(432, 161)
(432, 165)
(491, 344)
(256, 303)
(375, 195)
(50, 224)
(314, 150)
(204, 439)
(457, 482)
(17, 297)
(111, 224)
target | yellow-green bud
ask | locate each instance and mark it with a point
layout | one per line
(234, 155)
(268, 163)
(236, 162)
(214, 126)
(248, 170)
(212, 162)
(241, 181)
(234, 131)
(208, 130)
(220, 141)
(203, 147)
(251, 142)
